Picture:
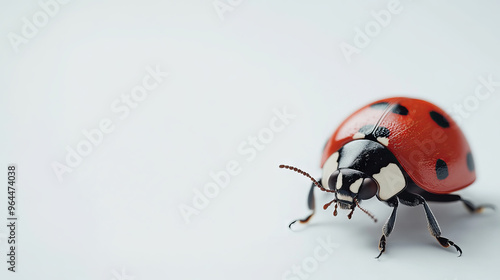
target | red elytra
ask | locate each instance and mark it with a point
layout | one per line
(418, 138)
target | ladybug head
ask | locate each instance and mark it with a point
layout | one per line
(349, 186)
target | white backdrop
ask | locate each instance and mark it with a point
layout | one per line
(120, 115)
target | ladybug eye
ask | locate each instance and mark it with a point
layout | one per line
(368, 189)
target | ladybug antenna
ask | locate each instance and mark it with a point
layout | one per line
(307, 175)
(365, 211)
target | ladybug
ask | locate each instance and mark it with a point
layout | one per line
(399, 150)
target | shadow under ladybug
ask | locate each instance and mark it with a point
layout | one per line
(400, 150)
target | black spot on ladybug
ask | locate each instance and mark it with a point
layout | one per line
(441, 169)
(396, 108)
(381, 132)
(370, 130)
(440, 119)
(380, 105)
(470, 162)
(400, 110)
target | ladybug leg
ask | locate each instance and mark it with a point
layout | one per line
(428, 196)
(412, 199)
(311, 204)
(476, 209)
(454, 197)
(389, 225)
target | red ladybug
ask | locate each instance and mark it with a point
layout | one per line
(399, 150)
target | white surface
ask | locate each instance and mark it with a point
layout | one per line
(116, 215)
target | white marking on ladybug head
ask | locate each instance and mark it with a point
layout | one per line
(344, 197)
(358, 135)
(339, 181)
(391, 181)
(354, 188)
(383, 140)
(330, 166)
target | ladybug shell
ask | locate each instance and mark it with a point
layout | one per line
(426, 141)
